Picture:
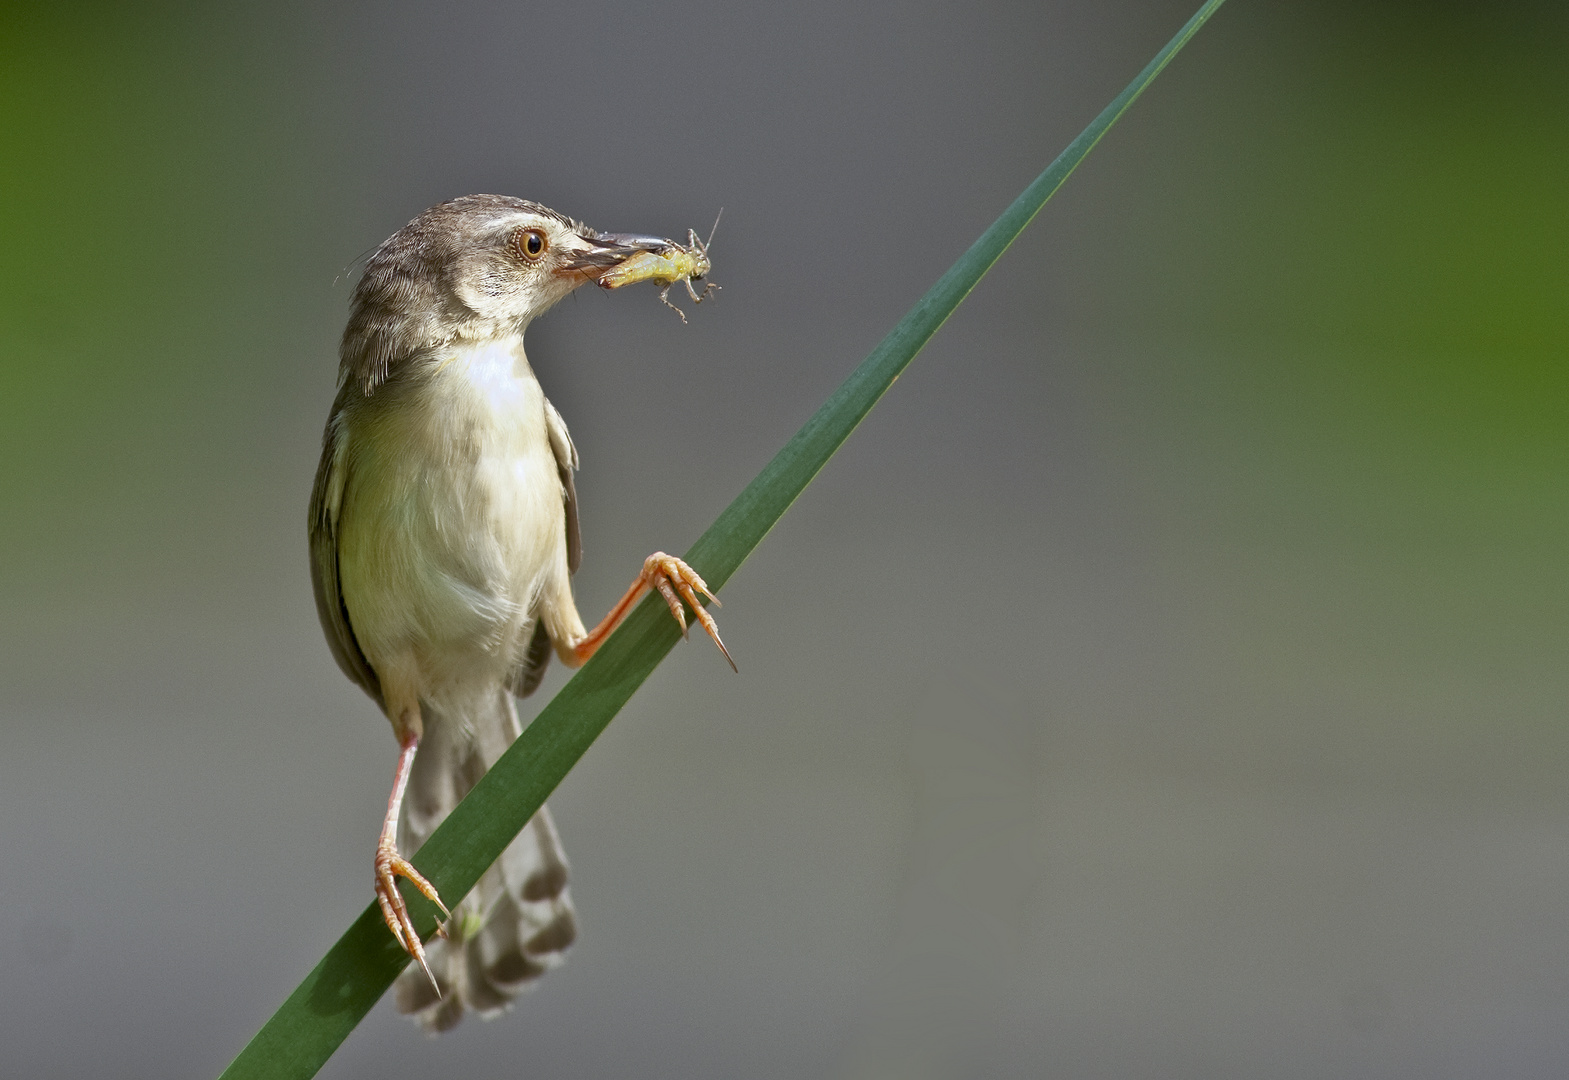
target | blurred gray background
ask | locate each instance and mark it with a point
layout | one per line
(1167, 680)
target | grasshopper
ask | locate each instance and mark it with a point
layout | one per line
(667, 266)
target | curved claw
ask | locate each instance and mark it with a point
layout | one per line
(671, 575)
(390, 866)
(662, 583)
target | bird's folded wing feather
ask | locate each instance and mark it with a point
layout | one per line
(566, 465)
(526, 677)
(326, 501)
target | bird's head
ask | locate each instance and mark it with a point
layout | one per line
(470, 269)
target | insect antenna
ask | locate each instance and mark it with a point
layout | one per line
(711, 231)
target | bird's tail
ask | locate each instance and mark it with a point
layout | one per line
(517, 922)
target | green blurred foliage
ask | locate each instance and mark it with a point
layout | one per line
(156, 184)
(1381, 187)
(1351, 276)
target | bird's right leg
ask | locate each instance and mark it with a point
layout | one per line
(671, 577)
(390, 863)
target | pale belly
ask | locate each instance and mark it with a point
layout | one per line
(452, 524)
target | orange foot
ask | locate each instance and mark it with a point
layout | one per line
(670, 576)
(675, 581)
(389, 867)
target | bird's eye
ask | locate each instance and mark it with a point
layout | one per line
(530, 243)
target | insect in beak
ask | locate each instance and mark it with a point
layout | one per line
(591, 256)
(665, 266)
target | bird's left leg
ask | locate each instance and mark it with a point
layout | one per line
(390, 863)
(675, 581)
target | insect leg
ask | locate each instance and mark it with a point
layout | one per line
(708, 287)
(664, 298)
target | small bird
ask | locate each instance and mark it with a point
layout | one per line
(443, 537)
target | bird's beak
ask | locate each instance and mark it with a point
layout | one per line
(591, 256)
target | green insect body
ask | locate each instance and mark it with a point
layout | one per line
(666, 267)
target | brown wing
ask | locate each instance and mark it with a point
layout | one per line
(332, 479)
(527, 675)
(566, 465)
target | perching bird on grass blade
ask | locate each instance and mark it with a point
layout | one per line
(443, 536)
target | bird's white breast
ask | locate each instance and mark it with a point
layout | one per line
(452, 519)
